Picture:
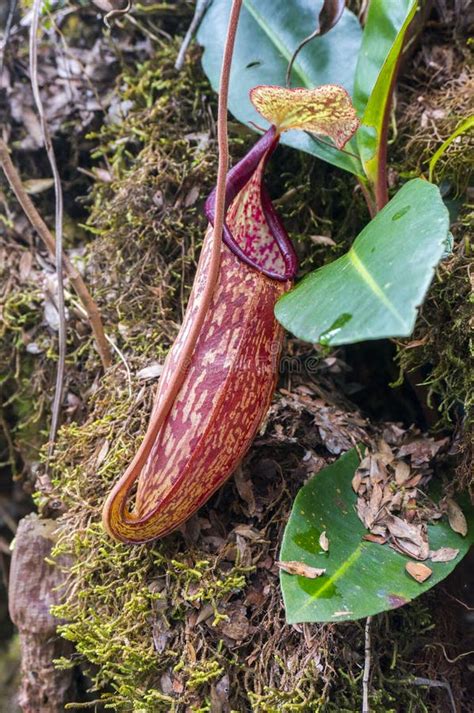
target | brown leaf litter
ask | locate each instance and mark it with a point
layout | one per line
(456, 517)
(418, 571)
(301, 569)
(390, 484)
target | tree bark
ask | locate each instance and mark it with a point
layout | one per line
(32, 592)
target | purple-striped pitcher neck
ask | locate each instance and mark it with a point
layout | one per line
(237, 178)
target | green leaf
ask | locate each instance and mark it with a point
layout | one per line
(373, 291)
(269, 31)
(362, 578)
(465, 126)
(382, 44)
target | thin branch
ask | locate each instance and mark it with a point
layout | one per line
(456, 658)
(367, 663)
(58, 221)
(117, 12)
(436, 684)
(201, 7)
(459, 601)
(88, 303)
(124, 362)
(121, 356)
(6, 36)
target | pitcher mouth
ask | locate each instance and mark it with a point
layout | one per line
(248, 174)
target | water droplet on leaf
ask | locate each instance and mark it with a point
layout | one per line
(329, 334)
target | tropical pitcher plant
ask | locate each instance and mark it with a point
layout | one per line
(196, 439)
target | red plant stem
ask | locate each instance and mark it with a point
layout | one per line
(214, 265)
(368, 198)
(381, 184)
(167, 399)
(222, 139)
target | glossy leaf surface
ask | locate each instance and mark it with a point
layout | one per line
(374, 290)
(382, 44)
(384, 21)
(269, 32)
(362, 578)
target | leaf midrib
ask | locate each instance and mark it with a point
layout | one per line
(373, 285)
(342, 569)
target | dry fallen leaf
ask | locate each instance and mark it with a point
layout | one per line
(322, 240)
(407, 547)
(323, 541)
(413, 482)
(37, 185)
(380, 530)
(444, 554)
(418, 571)
(456, 517)
(401, 528)
(25, 265)
(402, 472)
(378, 539)
(378, 472)
(422, 450)
(375, 500)
(356, 482)
(153, 371)
(385, 452)
(304, 570)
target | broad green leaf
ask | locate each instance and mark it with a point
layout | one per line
(269, 32)
(385, 18)
(362, 578)
(382, 44)
(374, 290)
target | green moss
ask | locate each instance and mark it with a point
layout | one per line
(10, 658)
(442, 348)
(130, 610)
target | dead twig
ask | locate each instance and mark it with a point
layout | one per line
(436, 684)
(58, 221)
(113, 8)
(367, 663)
(6, 36)
(201, 7)
(115, 348)
(459, 601)
(456, 658)
(88, 303)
